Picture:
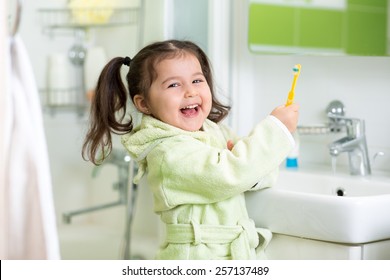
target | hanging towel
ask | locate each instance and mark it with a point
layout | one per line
(30, 225)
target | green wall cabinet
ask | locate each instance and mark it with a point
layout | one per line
(359, 28)
(367, 27)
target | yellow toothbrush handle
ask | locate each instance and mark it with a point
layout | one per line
(291, 94)
(290, 98)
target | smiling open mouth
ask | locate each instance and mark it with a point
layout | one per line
(190, 110)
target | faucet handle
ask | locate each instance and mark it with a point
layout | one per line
(340, 117)
(336, 107)
(336, 112)
(355, 127)
(376, 155)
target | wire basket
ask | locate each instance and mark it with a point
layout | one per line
(71, 98)
(88, 17)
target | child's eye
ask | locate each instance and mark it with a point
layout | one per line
(197, 81)
(173, 85)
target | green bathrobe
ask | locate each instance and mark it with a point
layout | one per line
(198, 184)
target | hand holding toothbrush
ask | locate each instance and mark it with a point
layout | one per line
(288, 113)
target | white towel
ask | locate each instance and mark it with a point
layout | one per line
(30, 228)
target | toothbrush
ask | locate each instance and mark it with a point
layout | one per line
(297, 71)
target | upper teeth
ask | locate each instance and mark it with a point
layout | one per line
(191, 106)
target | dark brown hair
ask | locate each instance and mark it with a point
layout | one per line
(108, 108)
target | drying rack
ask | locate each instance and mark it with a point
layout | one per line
(77, 22)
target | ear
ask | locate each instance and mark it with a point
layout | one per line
(141, 104)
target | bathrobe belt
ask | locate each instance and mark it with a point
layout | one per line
(243, 237)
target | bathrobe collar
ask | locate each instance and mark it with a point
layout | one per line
(151, 132)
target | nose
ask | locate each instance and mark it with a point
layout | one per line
(191, 91)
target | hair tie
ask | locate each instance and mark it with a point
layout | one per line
(127, 61)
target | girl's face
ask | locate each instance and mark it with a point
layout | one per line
(180, 95)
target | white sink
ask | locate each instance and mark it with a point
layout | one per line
(317, 204)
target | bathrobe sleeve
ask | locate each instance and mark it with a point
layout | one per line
(185, 170)
(270, 179)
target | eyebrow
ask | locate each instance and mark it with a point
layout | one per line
(178, 77)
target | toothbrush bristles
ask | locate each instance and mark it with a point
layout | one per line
(296, 69)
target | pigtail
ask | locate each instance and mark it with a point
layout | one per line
(108, 111)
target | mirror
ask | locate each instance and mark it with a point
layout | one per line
(329, 27)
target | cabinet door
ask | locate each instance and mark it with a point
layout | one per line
(272, 25)
(290, 29)
(366, 30)
(321, 29)
(283, 247)
(377, 251)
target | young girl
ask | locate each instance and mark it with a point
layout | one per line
(197, 169)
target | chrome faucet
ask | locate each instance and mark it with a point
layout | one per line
(355, 143)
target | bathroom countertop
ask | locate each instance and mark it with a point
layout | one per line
(342, 172)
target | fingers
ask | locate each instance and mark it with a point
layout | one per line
(288, 115)
(230, 145)
(294, 107)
